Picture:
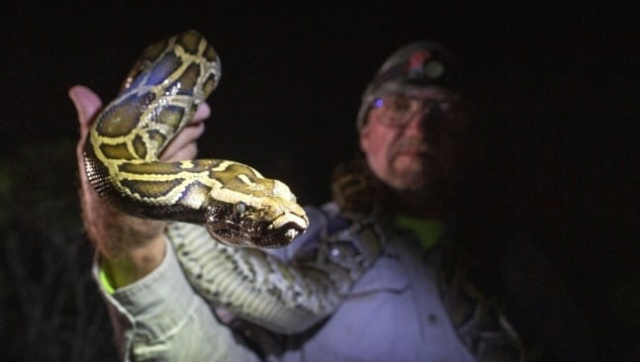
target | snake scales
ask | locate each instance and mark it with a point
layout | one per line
(233, 201)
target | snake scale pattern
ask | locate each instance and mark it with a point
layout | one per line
(160, 96)
(241, 210)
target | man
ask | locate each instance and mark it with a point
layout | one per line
(424, 298)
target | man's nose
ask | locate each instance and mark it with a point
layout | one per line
(419, 122)
(423, 124)
(415, 124)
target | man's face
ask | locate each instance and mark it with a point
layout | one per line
(414, 142)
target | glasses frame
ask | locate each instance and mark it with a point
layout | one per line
(443, 109)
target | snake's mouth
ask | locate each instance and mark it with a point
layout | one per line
(261, 236)
(251, 228)
(281, 236)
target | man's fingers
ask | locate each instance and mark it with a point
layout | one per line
(202, 113)
(186, 152)
(187, 137)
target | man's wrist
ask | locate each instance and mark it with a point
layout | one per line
(134, 263)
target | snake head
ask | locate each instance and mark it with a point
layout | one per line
(272, 220)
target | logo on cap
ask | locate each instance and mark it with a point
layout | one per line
(421, 64)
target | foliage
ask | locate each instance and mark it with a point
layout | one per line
(52, 309)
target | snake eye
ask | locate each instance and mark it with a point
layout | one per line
(239, 208)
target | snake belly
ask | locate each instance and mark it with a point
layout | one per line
(237, 206)
(160, 96)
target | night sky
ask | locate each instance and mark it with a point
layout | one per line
(292, 76)
(557, 81)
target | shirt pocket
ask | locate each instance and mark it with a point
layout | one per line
(387, 274)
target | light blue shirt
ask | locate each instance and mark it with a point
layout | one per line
(392, 313)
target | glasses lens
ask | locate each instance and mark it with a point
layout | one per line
(397, 111)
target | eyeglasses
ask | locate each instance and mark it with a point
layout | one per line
(399, 110)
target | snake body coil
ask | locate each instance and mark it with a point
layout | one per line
(159, 97)
(236, 204)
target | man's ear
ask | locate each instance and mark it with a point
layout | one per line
(365, 142)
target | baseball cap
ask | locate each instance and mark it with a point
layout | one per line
(415, 65)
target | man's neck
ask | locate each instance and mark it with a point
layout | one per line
(420, 205)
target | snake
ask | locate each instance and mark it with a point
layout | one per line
(224, 215)
(159, 97)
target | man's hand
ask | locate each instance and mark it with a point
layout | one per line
(131, 247)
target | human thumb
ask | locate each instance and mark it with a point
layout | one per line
(87, 104)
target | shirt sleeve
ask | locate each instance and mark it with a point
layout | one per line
(161, 318)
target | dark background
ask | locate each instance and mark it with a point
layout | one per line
(557, 83)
